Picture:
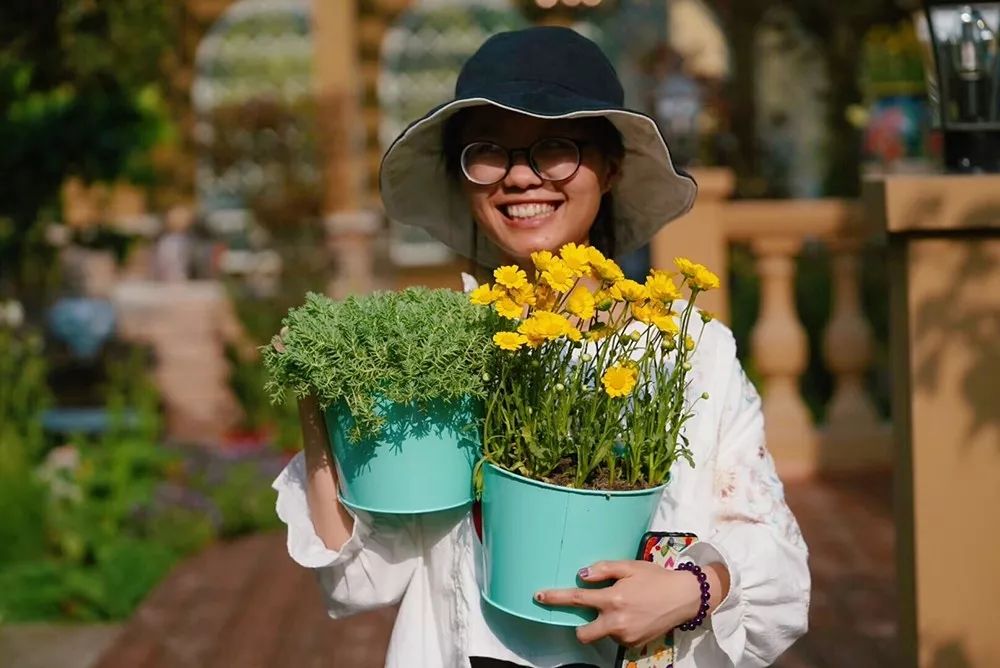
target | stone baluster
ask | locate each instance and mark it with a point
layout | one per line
(780, 350)
(351, 242)
(854, 434)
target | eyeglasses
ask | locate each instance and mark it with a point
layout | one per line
(552, 159)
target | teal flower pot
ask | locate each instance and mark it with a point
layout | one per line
(421, 462)
(538, 536)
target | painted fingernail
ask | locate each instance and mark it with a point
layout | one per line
(539, 597)
(584, 572)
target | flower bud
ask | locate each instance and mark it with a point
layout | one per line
(688, 343)
(560, 387)
(704, 395)
(486, 376)
(586, 357)
(635, 336)
(707, 316)
(669, 343)
(604, 305)
(686, 366)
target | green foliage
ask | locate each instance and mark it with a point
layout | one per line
(79, 96)
(417, 345)
(244, 502)
(23, 397)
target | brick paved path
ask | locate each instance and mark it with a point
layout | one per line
(246, 604)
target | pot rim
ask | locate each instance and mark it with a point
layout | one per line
(587, 492)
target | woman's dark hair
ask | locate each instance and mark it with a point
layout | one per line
(605, 134)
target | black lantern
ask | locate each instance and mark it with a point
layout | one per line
(964, 81)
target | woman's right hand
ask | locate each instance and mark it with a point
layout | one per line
(331, 521)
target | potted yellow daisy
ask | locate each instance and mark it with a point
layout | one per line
(586, 417)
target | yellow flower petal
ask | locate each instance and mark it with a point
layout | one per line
(506, 307)
(704, 279)
(576, 258)
(542, 259)
(581, 303)
(619, 380)
(559, 276)
(509, 340)
(485, 295)
(511, 277)
(630, 291)
(661, 287)
(607, 270)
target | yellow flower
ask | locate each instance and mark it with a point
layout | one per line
(646, 311)
(697, 274)
(594, 256)
(685, 266)
(545, 297)
(598, 332)
(559, 276)
(546, 326)
(661, 288)
(707, 316)
(619, 380)
(509, 340)
(542, 259)
(630, 291)
(576, 258)
(666, 324)
(506, 307)
(523, 296)
(605, 299)
(485, 295)
(606, 270)
(510, 276)
(704, 279)
(581, 303)
(689, 343)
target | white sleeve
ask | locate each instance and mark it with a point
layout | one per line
(371, 570)
(755, 534)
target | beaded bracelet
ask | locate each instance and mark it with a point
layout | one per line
(706, 595)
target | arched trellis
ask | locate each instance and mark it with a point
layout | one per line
(252, 97)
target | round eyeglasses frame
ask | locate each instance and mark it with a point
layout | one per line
(528, 152)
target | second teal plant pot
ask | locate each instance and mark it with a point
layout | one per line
(421, 462)
(538, 536)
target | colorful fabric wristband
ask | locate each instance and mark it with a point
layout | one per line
(706, 595)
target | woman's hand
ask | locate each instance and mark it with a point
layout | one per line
(646, 602)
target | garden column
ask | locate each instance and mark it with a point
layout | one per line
(944, 260)
(349, 227)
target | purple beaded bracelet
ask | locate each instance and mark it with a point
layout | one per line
(706, 595)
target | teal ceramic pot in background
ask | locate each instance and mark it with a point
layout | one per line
(420, 463)
(538, 536)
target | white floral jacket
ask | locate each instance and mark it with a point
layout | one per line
(732, 500)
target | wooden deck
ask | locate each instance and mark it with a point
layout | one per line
(246, 604)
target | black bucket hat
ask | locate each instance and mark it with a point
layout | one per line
(545, 72)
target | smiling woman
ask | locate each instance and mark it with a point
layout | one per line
(535, 155)
(556, 190)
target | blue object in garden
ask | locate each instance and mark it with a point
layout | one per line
(538, 536)
(421, 462)
(83, 421)
(83, 324)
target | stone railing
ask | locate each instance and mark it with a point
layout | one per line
(854, 436)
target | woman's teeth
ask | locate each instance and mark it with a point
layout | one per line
(533, 210)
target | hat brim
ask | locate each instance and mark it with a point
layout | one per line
(416, 190)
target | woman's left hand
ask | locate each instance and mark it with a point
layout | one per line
(646, 601)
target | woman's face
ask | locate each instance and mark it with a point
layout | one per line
(523, 213)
